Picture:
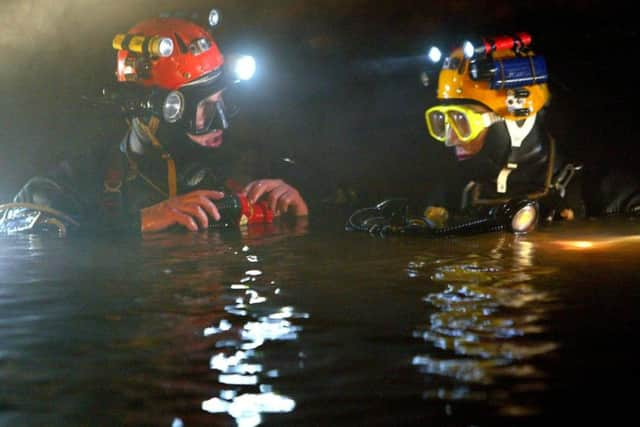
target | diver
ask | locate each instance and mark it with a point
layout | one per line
(493, 96)
(172, 85)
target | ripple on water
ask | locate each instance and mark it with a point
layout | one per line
(488, 323)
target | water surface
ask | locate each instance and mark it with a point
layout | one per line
(292, 325)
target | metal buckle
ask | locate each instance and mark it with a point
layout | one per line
(565, 176)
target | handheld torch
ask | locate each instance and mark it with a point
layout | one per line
(236, 209)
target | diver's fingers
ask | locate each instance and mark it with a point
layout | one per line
(256, 189)
(292, 202)
(210, 194)
(286, 199)
(276, 199)
(202, 198)
(195, 212)
(183, 219)
(205, 203)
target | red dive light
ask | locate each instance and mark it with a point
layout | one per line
(485, 46)
(502, 72)
(236, 208)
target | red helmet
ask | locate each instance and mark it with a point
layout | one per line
(178, 67)
(166, 52)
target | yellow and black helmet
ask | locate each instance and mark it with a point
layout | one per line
(507, 77)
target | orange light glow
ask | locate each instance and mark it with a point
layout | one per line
(586, 244)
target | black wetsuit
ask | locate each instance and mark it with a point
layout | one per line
(544, 173)
(536, 170)
(104, 189)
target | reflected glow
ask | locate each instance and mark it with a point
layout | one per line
(236, 379)
(253, 273)
(224, 325)
(254, 297)
(237, 361)
(486, 321)
(270, 329)
(577, 245)
(223, 363)
(524, 251)
(246, 408)
(595, 244)
(462, 369)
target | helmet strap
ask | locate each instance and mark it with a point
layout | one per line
(150, 129)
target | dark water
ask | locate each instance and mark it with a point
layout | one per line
(309, 325)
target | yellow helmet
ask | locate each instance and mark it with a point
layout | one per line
(511, 82)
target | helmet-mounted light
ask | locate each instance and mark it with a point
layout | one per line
(503, 73)
(153, 46)
(171, 67)
(484, 47)
(214, 17)
(242, 67)
(173, 106)
(136, 101)
(434, 54)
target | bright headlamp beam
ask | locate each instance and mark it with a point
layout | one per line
(485, 46)
(434, 54)
(524, 219)
(244, 67)
(165, 47)
(468, 49)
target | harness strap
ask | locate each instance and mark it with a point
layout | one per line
(548, 184)
(150, 131)
(112, 184)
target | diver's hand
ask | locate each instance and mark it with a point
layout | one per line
(192, 211)
(281, 197)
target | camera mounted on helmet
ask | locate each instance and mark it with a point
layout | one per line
(170, 66)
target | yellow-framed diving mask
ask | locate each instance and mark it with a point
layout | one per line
(465, 121)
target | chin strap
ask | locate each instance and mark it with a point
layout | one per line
(150, 132)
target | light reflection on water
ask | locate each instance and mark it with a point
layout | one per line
(488, 322)
(133, 307)
(251, 319)
(246, 391)
(199, 329)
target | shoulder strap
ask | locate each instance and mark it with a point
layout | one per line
(113, 180)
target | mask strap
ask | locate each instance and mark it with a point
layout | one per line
(223, 117)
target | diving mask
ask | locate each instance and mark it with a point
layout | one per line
(465, 121)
